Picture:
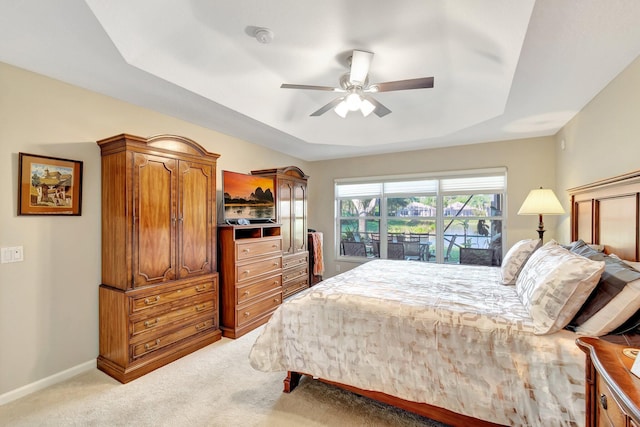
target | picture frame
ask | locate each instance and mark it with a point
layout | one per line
(49, 185)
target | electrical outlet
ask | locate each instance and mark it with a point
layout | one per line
(18, 254)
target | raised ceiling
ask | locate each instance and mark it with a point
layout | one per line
(503, 69)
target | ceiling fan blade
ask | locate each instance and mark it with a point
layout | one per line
(360, 62)
(310, 87)
(421, 83)
(327, 107)
(380, 110)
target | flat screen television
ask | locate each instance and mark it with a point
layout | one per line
(247, 197)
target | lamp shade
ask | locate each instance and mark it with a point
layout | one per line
(541, 201)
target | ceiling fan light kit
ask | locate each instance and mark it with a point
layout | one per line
(356, 84)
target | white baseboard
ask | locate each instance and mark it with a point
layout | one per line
(46, 382)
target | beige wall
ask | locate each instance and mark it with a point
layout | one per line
(49, 302)
(530, 164)
(603, 140)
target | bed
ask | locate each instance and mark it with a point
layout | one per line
(455, 343)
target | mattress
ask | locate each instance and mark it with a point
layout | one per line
(447, 335)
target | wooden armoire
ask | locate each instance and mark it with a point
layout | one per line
(159, 292)
(291, 214)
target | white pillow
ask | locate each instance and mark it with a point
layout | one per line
(615, 313)
(554, 284)
(515, 259)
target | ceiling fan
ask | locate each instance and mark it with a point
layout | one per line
(355, 85)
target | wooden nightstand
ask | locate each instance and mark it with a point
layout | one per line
(612, 391)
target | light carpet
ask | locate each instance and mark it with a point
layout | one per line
(214, 386)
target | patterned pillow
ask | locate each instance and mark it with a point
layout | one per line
(613, 281)
(515, 259)
(614, 314)
(554, 284)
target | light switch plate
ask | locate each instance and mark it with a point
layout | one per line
(12, 254)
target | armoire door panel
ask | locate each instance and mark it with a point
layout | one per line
(300, 220)
(285, 192)
(195, 213)
(154, 219)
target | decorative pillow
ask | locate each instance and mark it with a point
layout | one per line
(613, 281)
(597, 248)
(617, 311)
(633, 264)
(581, 248)
(554, 284)
(515, 259)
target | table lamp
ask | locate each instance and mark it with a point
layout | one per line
(541, 201)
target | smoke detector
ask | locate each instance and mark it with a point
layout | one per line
(263, 35)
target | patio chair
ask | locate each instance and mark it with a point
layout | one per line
(354, 249)
(412, 250)
(395, 250)
(375, 248)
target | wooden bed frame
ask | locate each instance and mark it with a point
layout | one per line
(607, 212)
(604, 212)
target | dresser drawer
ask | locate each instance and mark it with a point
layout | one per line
(294, 274)
(250, 312)
(195, 306)
(295, 286)
(295, 260)
(253, 290)
(249, 271)
(608, 412)
(160, 295)
(253, 248)
(162, 341)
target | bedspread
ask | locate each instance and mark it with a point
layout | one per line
(446, 335)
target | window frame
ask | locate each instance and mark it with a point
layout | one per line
(440, 219)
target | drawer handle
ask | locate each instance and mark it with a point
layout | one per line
(274, 246)
(151, 346)
(201, 307)
(150, 301)
(201, 288)
(201, 326)
(276, 300)
(275, 264)
(603, 401)
(246, 272)
(247, 314)
(246, 293)
(151, 323)
(246, 251)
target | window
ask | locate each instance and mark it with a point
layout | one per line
(450, 218)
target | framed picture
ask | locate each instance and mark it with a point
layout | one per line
(49, 185)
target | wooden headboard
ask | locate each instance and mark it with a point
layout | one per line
(607, 212)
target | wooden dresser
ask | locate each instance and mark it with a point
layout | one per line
(612, 391)
(291, 214)
(159, 291)
(250, 275)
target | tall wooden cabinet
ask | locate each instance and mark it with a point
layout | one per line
(291, 213)
(159, 291)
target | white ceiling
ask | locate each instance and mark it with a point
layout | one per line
(503, 69)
